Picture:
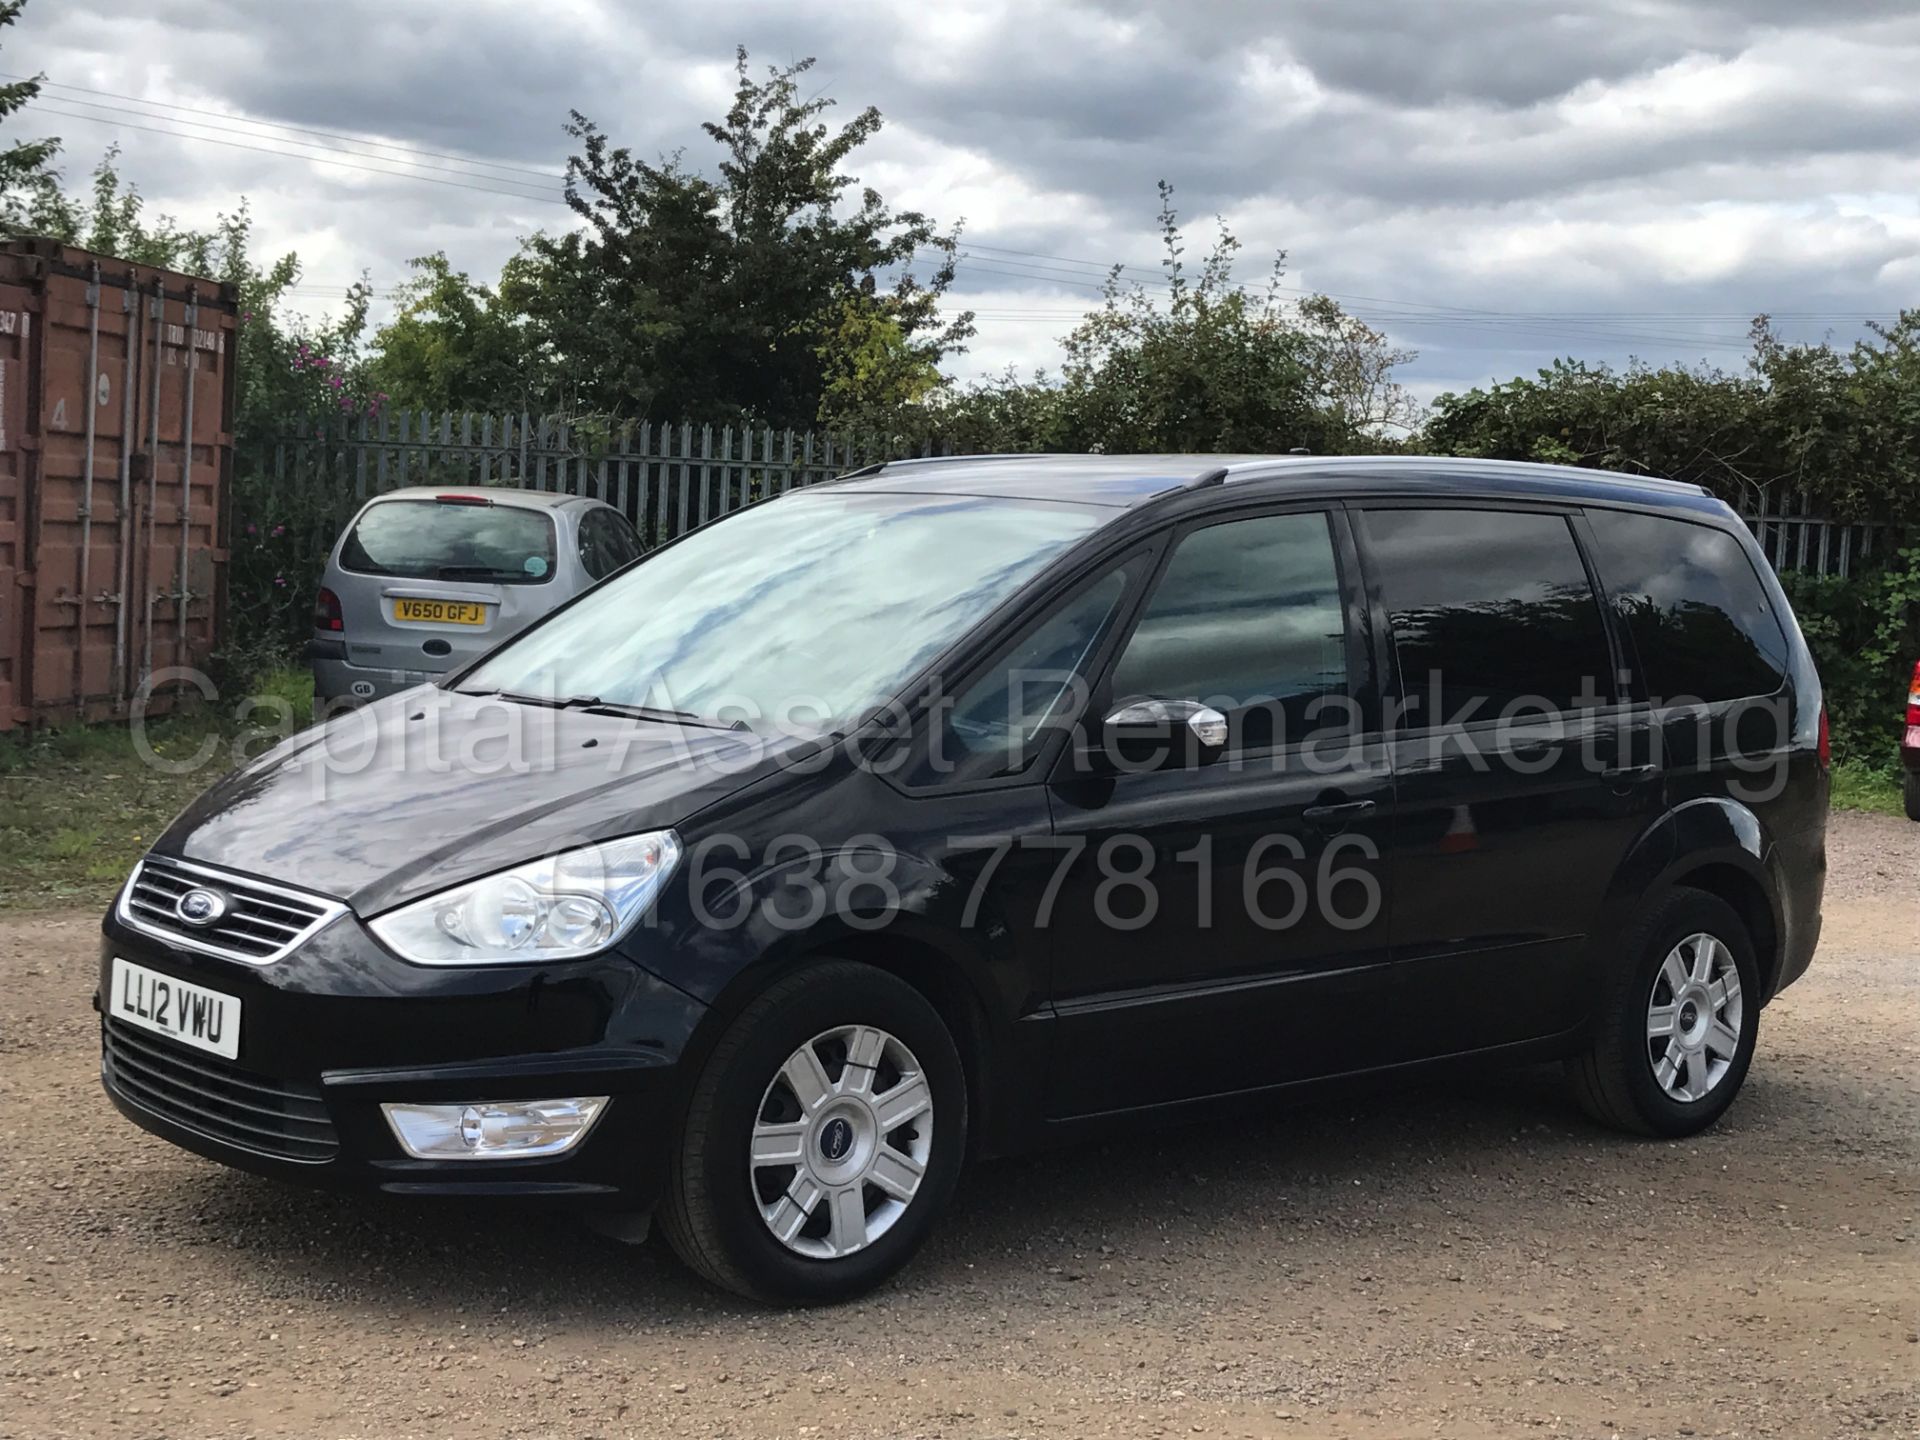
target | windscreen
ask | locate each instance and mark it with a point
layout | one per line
(795, 615)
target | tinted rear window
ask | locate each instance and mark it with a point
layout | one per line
(1492, 613)
(1694, 604)
(437, 540)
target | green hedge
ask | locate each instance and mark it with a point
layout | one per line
(1864, 632)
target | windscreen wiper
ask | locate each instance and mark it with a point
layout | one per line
(544, 701)
(594, 705)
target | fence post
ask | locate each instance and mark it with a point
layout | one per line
(646, 479)
(686, 453)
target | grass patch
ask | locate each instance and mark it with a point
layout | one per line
(1858, 786)
(78, 806)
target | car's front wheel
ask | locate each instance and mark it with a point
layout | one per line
(823, 1137)
(1676, 1030)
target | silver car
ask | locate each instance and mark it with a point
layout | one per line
(425, 579)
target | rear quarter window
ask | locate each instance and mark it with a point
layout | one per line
(1699, 617)
(443, 540)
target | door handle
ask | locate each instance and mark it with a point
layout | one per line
(1341, 814)
(1621, 776)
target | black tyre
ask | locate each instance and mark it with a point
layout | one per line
(1911, 793)
(1676, 1028)
(823, 1138)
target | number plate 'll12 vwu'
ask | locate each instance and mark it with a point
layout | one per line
(190, 1014)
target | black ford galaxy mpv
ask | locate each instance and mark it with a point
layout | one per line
(960, 806)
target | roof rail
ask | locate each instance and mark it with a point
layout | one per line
(958, 459)
(902, 462)
(1207, 479)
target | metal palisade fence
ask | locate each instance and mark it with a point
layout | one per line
(668, 477)
(1796, 537)
(665, 477)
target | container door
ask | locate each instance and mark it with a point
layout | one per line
(15, 328)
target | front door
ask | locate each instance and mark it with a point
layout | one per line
(1220, 919)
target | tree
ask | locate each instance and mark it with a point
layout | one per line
(761, 292)
(23, 160)
(1353, 367)
(1213, 366)
(870, 371)
(455, 345)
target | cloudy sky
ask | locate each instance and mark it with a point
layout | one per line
(1492, 183)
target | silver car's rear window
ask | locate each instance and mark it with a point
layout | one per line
(451, 540)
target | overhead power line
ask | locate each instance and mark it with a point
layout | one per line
(413, 175)
(258, 134)
(281, 125)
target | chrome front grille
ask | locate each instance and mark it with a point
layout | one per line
(261, 922)
(215, 1098)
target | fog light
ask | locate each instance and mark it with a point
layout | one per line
(494, 1129)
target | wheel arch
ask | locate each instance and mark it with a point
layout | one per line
(1713, 844)
(959, 985)
(1744, 890)
(941, 980)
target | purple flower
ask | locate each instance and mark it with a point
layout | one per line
(280, 580)
(252, 530)
(338, 382)
(279, 530)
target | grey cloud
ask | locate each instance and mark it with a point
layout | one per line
(1427, 137)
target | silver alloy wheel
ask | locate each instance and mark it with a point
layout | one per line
(841, 1141)
(1694, 1016)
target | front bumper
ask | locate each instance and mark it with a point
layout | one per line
(340, 1026)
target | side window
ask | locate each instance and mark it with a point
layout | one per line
(1248, 619)
(592, 560)
(1492, 613)
(997, 725)
(622, 543)
(606, 543)
(1694, 605)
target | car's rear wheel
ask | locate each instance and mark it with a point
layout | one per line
(824, 1136)
(1676, 1029)
(1912, 793)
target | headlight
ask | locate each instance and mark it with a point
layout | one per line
(559, 908)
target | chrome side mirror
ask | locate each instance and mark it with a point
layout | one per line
(1159, 717)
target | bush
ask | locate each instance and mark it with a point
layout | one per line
(1864, 632)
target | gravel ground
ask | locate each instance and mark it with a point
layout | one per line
(1460, 1260)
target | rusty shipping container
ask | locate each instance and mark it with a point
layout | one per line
(116, 461)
